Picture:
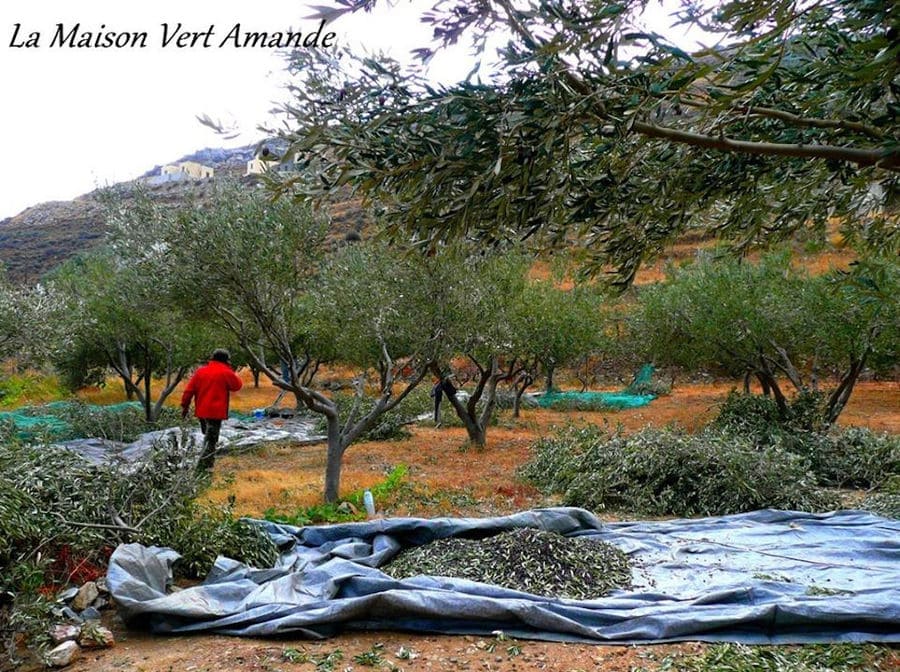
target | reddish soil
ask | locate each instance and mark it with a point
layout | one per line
(146, 653)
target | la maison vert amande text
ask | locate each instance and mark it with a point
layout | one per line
(169, 36)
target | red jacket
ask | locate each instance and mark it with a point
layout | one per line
(210, 385)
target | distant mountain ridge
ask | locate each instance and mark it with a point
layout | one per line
(45, 235)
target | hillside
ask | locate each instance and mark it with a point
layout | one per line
(43, 236)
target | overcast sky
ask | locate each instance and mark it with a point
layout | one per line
(77, 118)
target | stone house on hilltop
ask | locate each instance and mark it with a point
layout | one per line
(188, 169)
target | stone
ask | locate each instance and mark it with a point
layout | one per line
(64, 633)
(63, 654)
(86, 595)
(91, 614)
(70, 614)
(95, 636)
(67, 594)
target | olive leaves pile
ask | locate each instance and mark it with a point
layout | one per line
(670, 472)
(53, 504)
(89, 507)
(530, 560)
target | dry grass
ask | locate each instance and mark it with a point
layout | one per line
(441, 463)
(816, 263)
(834, 256)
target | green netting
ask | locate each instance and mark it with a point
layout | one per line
(48, 420)
(594, 400)
(642, 377)
(31, 426)
(603, 400)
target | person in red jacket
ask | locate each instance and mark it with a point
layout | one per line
(210, 386)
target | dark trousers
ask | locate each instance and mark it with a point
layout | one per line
(438, 395)
(210, 429)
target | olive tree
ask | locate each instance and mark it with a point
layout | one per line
(122, 306)
(592, 129)
(555, 328)
(475, 298)
(28, 315)
(120, 315)
(771, 322)
(266, 272)
(854, 323)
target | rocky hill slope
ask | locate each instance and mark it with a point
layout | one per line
(41, 237)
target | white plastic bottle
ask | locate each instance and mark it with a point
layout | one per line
(369, 503)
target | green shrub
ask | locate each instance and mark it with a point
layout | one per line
(854, 457)
(751, 415)
(66, 498)
(757, 416)
(391, 428)
(669, 472)
(657, 388)
(806, 410)
(20, 521)
(556, 459)
(24, 612)
(885, 504)
(202, 533)
(121, 422)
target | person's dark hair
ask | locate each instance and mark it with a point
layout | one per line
(221, 355)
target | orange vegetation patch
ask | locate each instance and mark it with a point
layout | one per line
(540, 270)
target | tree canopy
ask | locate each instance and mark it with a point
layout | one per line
(593, 129)
(267, 272)
(121, 311)
(773, 322)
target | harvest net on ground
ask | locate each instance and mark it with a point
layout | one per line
(633, 396)
(611, 400)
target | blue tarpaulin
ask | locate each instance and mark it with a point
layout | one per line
(762, 577)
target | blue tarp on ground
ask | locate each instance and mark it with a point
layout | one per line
(762, 577)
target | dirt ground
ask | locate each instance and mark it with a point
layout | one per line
(146, 653)
(447, 478)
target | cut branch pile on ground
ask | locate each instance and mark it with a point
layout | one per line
(534, 561)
